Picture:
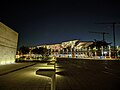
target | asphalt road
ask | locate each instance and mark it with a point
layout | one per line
(70, 75)
(88, 75)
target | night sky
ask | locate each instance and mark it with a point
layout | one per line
(53, 21)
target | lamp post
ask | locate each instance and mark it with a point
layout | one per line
(117, 51)
(95, 49)
(102, 50)
(109, 51)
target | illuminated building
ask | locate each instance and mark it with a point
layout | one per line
(8, 44)
(79, 49)
(71, 48)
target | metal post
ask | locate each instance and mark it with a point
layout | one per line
(104, 36)
(114, 39)
(102, 50)
(109, 51)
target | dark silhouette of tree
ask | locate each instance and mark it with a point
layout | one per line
(43, 51)
(24, 50)
(40, 50)
(98, 44)
(36, 51)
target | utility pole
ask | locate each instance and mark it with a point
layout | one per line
(114, 37)
(113, 25)
(103, 33)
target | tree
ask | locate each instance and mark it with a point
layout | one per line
(36, 51)
(40, 50)
(24, 50)
(98, 44)
(43, 51)
(97, 47)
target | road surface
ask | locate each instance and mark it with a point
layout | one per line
(70, 75)
(88, 75)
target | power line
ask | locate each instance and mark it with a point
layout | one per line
(103, 33)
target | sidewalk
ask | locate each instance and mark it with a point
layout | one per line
(5, 69)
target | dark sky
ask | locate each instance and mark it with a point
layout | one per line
(41, 21)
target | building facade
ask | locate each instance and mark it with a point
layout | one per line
(8, 44)
(70, 48)
(78, 49)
